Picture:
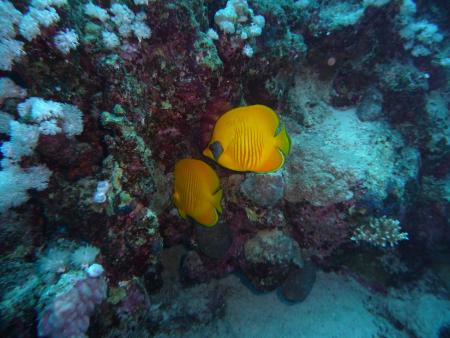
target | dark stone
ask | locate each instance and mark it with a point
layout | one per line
(215, 241)
(370, 108)
(268, 257)
(299, 282)
(444, 332)
(264, 190)
(193, 270)
(153, 277)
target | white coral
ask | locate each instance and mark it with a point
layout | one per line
(14, 183)
(52, 117)
(96, 12)
(66, 40)
(381, 232)
(110, 40)
(8, 89)
(141, 30)
(9, 17)
(84, 256)
(23, 140)
(29, 25)
(10, 51)
(238, 18)
(72, 120)
(54, 261)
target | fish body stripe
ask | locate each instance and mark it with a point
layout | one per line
(189, 190)
(247, 146)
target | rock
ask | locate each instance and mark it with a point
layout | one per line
(193, 270)
(332, 160)
(401, 77)
(299, 282)
(370, 108)
(268, 257)
(319, 230)
(444, 331)
(175, 307)
(264, 190)
(153, 278)
(213, 242)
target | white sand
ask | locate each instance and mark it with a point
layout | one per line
(334, 309)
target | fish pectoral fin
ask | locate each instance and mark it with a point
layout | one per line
(217, 199)
(274, 162)
(209, 218)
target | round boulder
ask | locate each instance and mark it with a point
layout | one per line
(268, 257)
(264, 190)
(299, 282)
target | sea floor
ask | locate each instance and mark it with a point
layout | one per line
(337, 307)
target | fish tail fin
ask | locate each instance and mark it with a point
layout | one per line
(284, 141)
(182, 214)
(217, 198)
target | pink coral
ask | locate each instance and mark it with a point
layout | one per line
(67, 313)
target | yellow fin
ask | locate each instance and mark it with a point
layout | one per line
(273, 163)
(284, 142)
(208, 153)
(217, 198)
(265, 115)
(182, 214)
(209, 218)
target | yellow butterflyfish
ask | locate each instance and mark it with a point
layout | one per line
(246, 139)
(197, 191)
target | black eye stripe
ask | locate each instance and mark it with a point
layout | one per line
(216, 149)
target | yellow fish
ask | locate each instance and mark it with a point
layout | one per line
(197, 191)
(245, 139)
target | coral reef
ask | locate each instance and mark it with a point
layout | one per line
(326, 167)
(100, 99)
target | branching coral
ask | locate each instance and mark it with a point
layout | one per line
(380, 232)
(238, 18)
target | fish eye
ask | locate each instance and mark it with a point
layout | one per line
(216, 149)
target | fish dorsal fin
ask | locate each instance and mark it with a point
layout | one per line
(263, 117)
(258, 113)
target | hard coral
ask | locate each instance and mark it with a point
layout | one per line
(381, 232)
